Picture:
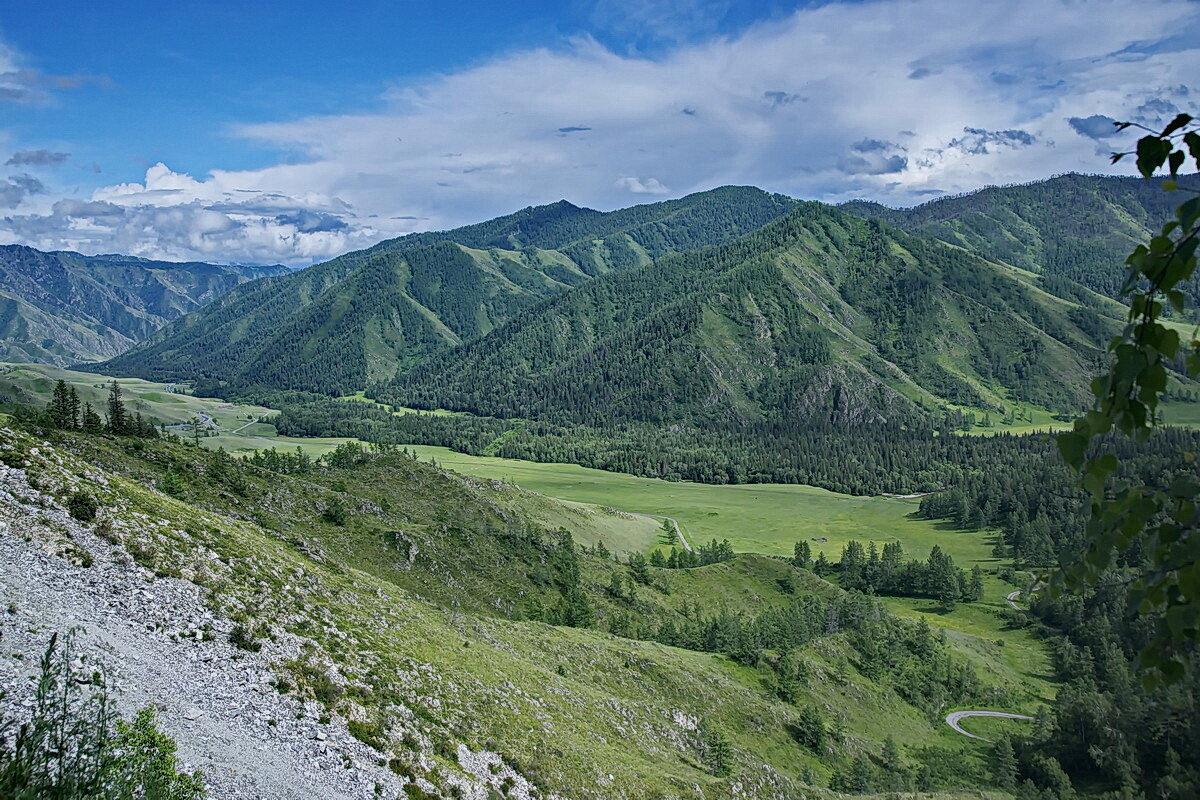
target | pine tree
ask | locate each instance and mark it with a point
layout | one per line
(73, 408)
(90, 421)
(809, 729)
(1004, 766)
(639, 567)
(64, 407)
(118, 421)
(802, 555)
(890, 757)
(975, 587)
(715, 749)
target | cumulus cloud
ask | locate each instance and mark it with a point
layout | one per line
(36, 158)
(889, 100)
(1097, 126)
(873, 157)
(174, 216)
(640, 186)
(976, 141)
(17, 187)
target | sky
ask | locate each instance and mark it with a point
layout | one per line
(290, 132)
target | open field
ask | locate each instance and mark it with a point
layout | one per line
(34, 384)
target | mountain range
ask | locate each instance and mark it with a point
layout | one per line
(64, 307)
(818, 314)
(731, 304)
(360, 318)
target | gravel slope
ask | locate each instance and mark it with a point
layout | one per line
(148, 634)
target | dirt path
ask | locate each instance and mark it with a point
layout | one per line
(955, 717)
(675, 522)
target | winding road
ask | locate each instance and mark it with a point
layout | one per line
(1012, 599)
(955, 717)
(675, 522)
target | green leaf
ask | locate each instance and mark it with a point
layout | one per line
(1072, 446)
(1180, 121)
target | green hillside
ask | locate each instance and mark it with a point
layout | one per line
(359, 318)
(64, 307)
(819, 315)
(441, 618)
(1074, 230)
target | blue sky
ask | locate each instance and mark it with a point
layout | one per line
(291, 132)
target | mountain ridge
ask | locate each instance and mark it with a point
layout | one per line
(818, 313)
(403, 299)
(60, 307)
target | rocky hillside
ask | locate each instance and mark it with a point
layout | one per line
(62, 307)
(393, 648)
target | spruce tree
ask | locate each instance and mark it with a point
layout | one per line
(1004, 766)
(90, 421)
(801, 555)
(73, 409)
(60, 407)
(118, 420)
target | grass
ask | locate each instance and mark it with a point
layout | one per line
(770, 518)
(34, 384)
(361, 397)
(602, 506)
(568, 705)
(755, 518)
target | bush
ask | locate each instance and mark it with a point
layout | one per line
(241, 637)
(335, 512)
(76, 747)
(82, 506)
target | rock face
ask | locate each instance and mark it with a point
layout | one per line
(60, 308)
(160, 645)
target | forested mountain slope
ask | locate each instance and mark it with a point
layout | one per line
(1072, 230)
(819, 314)
(64, 307)
(361, 317)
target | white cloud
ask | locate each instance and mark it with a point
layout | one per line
(642, 186)
(890, 100)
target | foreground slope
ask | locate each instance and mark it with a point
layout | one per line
(819, 315)
(63, 307)
(361, 317)
(410, 626)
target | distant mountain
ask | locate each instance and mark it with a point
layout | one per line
(1073, 230)
(819, 315)
(64, 307)
(362, 317)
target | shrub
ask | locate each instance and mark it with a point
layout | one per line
(76, 747)
(241, 637)
(82, 506)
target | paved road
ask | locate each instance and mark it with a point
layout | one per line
(675, 522)
(1012, 599)
(955, 717)
(247, 425)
